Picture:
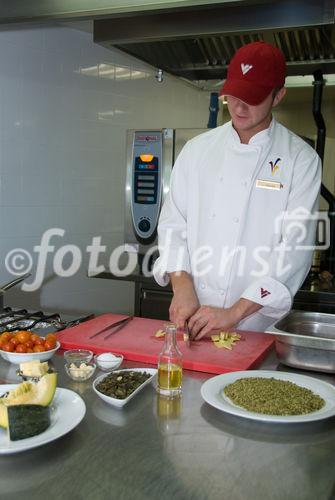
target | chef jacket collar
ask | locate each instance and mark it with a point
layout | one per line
(260, 138)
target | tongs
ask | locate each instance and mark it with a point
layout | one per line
(120, 324)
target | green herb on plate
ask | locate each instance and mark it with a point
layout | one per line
(272, 396)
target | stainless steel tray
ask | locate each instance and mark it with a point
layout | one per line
(306, 340)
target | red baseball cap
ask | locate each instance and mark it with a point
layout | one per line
(255, 70)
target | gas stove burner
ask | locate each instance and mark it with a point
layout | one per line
(12, 320)
(20, 319)
(26, 324)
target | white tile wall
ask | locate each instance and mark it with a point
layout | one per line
(65, 105)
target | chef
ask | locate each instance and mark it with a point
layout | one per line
(237, 230)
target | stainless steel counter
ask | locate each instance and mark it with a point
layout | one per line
(198, 453)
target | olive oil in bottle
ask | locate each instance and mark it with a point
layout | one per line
(170, 364)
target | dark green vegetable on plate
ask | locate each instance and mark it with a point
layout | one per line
(25, 421)
(121, 384)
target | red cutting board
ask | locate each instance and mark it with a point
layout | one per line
(137, 342)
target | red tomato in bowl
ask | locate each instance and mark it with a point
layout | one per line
(14, 341)
(6, 336)
(38, 348)
(33, 337)
(21, 348)
(49, 345)
(51, 337)
(22, 336)
(8, 347)
(39, 341)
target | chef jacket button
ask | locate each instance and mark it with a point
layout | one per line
(222, 292)
(236, 219)
(202, 286)
(213, 216)
(221, 179)
(244, 183)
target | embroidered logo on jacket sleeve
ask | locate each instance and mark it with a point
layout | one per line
(264, 293)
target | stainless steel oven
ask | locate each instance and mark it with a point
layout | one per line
(149, 160)
(151, 154)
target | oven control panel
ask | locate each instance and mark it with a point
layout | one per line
(146, 182)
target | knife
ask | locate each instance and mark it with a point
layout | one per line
(121, 323)
(187, 337)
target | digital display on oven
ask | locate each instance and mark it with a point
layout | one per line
(147, 166)
(146, 179)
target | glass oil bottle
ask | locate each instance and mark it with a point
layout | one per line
(170, 368)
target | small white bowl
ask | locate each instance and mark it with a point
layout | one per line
(22, 357)
(119, 403)
(78, 356)
(108, 361)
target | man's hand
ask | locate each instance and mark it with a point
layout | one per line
(185, 301)
(209, 318)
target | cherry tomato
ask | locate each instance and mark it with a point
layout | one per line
(21, 348)
(39, 341)
(8, 347)
(15, 341)
(38, 348)
(22, 336)
(29, 344)
(51, 337)
(6, 336)
(49, 345)
(33, 337)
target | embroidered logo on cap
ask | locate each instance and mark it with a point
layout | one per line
(274, 166)
(245, 68)
(264, 293)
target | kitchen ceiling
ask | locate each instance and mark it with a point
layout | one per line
(197, 43)
(195, 39)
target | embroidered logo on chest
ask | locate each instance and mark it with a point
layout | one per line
(274, 166)
(245, 68)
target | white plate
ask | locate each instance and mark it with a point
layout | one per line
(119, 403)
(212, 393)
(22, 357)
(67, 411)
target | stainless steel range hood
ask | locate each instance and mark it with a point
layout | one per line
(195, 39)
(198, 42)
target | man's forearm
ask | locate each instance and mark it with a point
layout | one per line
(244, 308)
(180, 279)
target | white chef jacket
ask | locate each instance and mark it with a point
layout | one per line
(250, 211)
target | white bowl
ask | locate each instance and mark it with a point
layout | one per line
(119, 403)
(22, 357)
(106, 364)
(78, 356)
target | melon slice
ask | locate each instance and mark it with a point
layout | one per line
(39, 393)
